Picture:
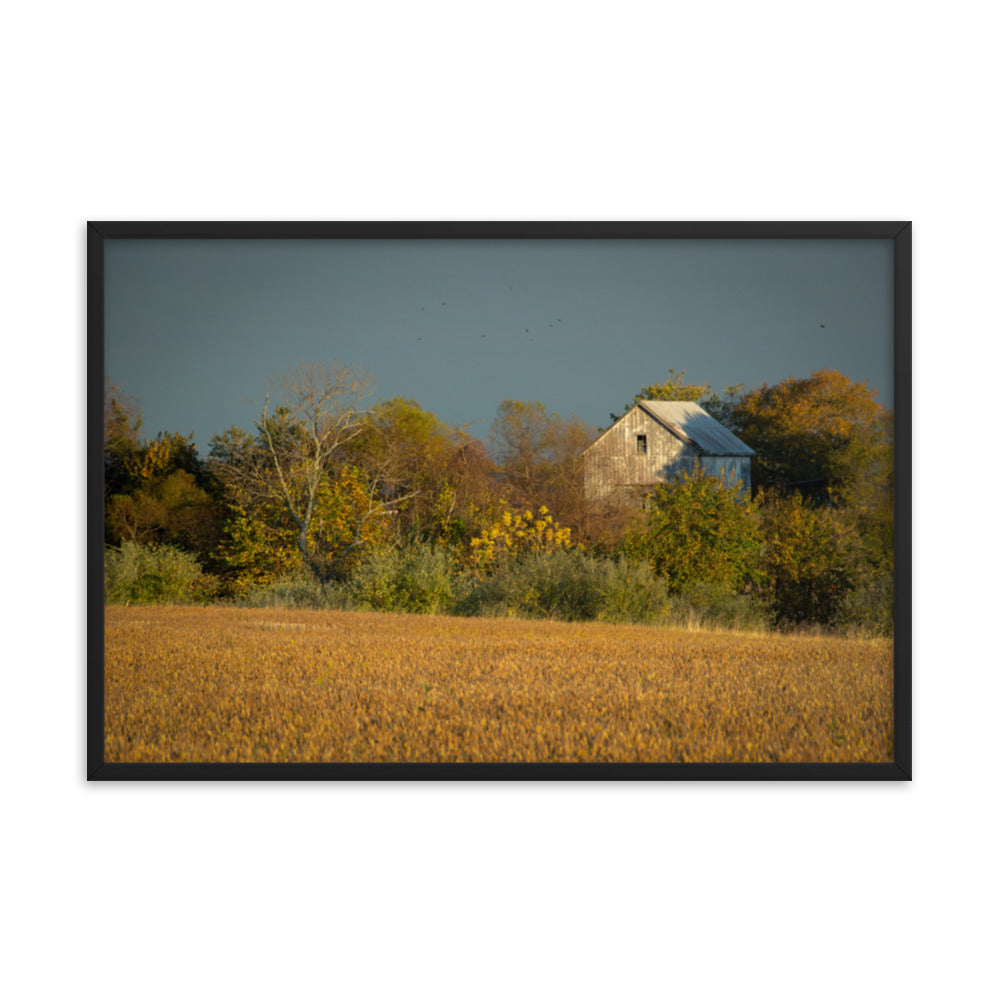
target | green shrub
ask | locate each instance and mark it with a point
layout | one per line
(698, 529)
(139, 574)
(417, 578)
(298, 590)
(812, 560)
(629, 591)
(868, 609)
(567, 585)
(704, 605)
(483, 597)
(556, 585)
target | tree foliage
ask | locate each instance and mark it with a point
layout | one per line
(829, 440)
(170, 509)
(391, 502)
(298, 464)
(122, 422)
(157, 492)
(470, 487)
(670, 389)
(540, 457)
(523, 440)
(262, 539)
(407, 450)
(699, 530)
(812, 558)
(824, 427)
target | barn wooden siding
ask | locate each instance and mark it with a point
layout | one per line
(612, 464)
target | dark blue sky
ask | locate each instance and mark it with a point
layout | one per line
(196, 328)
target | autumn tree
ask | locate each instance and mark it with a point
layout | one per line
(122, 414)
(470, 493)
(122, 422)
(672, 388)
(675, 388)
(408, 450)
(523, 439)
(824, 475)
(157, 492)
(167, 509)
(260, 542)
(811, 560)
(699, 529)
(541, 457)
(298, 464)
(824, 427)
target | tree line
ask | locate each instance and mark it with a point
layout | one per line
(385, 506)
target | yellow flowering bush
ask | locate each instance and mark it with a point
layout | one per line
(514, 533)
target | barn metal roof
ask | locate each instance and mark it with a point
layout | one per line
(691, 423)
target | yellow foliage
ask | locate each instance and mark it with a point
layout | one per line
(158, 457)
(261, 540)
(514, 533)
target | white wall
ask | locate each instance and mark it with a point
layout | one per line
(731, 470)
(446, 111)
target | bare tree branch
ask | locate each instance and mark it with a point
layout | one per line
(300, 447)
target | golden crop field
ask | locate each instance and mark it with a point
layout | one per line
(227, 684)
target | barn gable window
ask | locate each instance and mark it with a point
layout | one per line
(640, 444)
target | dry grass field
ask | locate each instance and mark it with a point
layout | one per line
(227, 684)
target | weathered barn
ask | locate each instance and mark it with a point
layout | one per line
(656, 441)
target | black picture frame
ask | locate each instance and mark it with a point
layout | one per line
(901, 766)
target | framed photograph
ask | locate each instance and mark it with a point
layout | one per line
(520, 501)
